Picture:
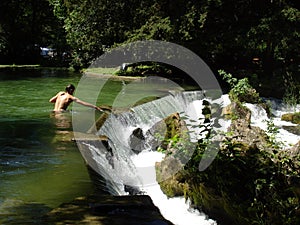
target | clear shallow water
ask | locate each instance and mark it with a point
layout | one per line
(39, 167)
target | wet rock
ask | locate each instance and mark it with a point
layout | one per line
(99, 122)
(292, 129)
(236, 110)
(100, 210)
(291, 117)
(295, 150)
(137, 140)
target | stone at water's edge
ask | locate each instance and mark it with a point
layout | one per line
(291, 117)
(101, 210)
(293, 129)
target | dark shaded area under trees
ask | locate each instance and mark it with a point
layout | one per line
(254, 38)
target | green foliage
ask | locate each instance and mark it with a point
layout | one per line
(228, 78)
(275, 35)
(224, 33)
(24, 27)
(248, 184)
(272, 132)
(156, 28)
(145, 69)
(241, 90)
(292, 91)
(190, 23)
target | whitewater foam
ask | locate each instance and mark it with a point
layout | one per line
(260, 119)
(176, 209)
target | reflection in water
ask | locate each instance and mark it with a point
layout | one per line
(63, 132)
(62, 120)
(19, 212)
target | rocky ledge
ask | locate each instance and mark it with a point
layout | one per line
(103, 210)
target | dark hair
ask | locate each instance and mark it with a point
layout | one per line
(70, 88)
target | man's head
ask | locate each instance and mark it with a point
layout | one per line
(70, 89)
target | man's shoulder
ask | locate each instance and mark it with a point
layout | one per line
(71, 97)
(61, 93)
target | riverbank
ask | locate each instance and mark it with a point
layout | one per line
(111, 76)
(37, 66)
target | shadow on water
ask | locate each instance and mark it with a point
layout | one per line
(17, 212)
(108, 210)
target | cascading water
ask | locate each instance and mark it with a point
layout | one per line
(119, 127)
(260, 118)
(122, 167)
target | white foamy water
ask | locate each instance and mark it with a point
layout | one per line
(176, 210)
(260, 119)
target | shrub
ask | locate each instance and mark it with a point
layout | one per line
(241, 90)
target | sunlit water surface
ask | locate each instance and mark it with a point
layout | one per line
(40, 167)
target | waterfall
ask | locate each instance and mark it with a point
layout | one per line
(258, 115)
(128, 171)
(119, 127)
(131, 171)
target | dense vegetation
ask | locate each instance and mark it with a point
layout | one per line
(258, 39)
(227, 34)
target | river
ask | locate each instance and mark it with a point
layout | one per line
(40, 168)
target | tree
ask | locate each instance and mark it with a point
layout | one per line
(24, 27)
(276, 35)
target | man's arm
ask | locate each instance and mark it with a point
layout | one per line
(86, 104)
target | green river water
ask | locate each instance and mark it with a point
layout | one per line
(40, 167)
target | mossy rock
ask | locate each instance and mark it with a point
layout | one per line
(220, 208)
(291, 117)
(172, 188)
(236, 110)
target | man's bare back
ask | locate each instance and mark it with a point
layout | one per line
(64, 98)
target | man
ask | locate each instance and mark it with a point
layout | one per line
(64, 98)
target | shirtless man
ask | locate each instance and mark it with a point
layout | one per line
(64, 98)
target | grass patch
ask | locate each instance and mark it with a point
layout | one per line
(19, 66)
(103, 70)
